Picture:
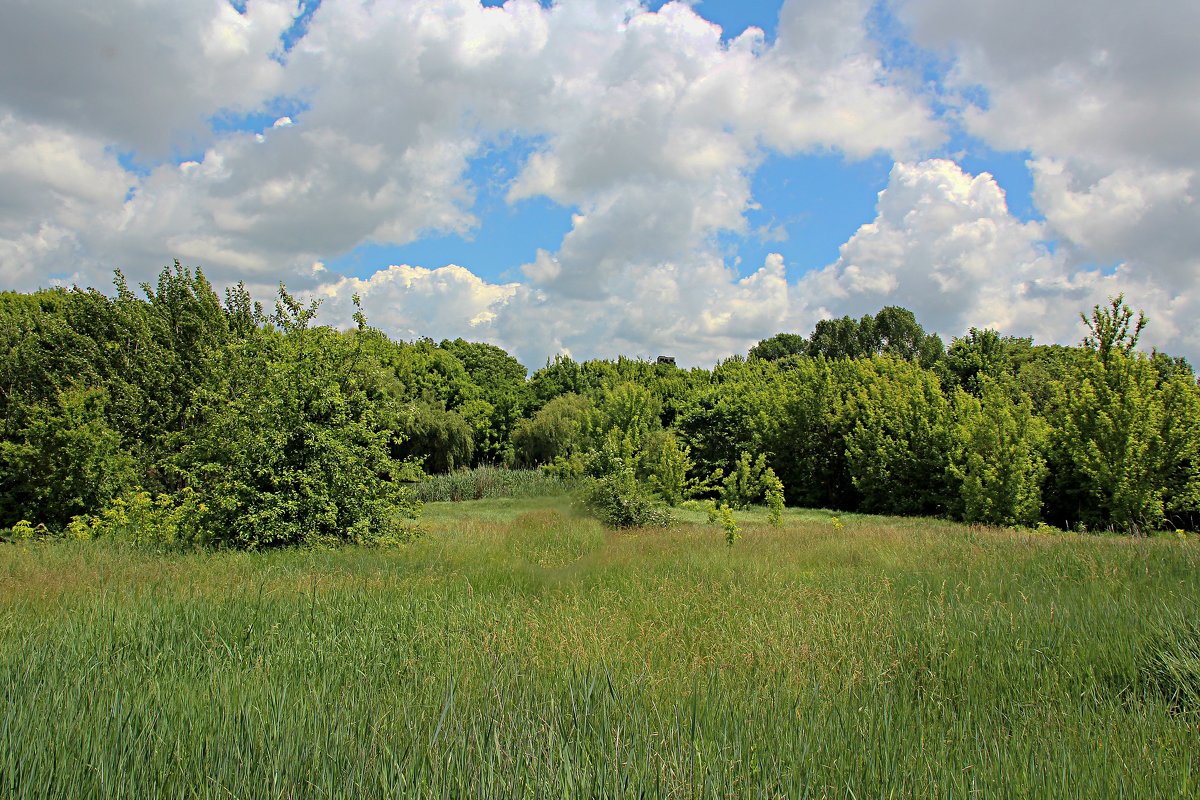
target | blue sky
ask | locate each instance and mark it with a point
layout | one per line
(603, 177)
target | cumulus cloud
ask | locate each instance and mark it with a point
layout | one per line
(414, 302)
(1103, 96)
(142, 76)
(1108, 81)
(945, 245)
(648, 126)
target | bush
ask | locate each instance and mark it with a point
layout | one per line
(723, 515)
(62, 459)
(751, 481)
(996, 457)
(164, 521)
(295, 446)
(619, 501)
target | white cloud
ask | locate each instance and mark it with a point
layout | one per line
(647, 123)
(647, 126)
(1109, 81)
(1104, 97)
(142, 76)
(414, 302)
(945, 245)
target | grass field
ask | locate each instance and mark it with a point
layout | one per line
(519, 651)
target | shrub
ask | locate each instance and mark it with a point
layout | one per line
(295, 448)
(996, 457)
(62, 458)
(669, 468)
(166, 521)
(723, 515)
(22, 531)
(619, 501)
(750, 482)
(774, 489)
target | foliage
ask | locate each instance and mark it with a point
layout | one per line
(486, 482)
(781, 345)
(436, 439)
(750, 481)
(897, 435)
(721, 514)
(997, 456)
(165, 521)
(894, 331)
(61, 458)
(23, 531)
(1123, 446)
(669, 467)
(290, 433)
(976, 357)
(503, 395)
(565, 425)
(774, 497)
(294, 451)
(619, 500)
(1113, 329)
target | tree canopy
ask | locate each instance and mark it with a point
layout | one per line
(266, 429)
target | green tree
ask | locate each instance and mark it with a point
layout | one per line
(1123, 448)
(781, 345)
(1112, 329)
(1107, 426)
(60, 458)
(975, 358)
(894, 331)
(997, 456)
(896, 423)
(670, 469)
(564, 426)
(293, 449)
(438, 440)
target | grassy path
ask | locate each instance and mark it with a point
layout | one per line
(519, 651)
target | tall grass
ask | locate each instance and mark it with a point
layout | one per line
(517, 651)
(485, 482)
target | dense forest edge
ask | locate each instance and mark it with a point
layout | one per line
(178, 417)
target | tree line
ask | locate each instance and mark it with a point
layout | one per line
(251, 427)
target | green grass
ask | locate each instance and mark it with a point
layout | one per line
(520, 651)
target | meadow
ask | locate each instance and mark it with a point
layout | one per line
(520, 650)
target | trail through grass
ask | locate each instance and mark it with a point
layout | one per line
(520, 651)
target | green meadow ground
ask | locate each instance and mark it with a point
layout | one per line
(519, 651)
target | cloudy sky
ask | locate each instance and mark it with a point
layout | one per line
(605, 177)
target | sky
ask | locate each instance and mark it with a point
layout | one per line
(609, 177)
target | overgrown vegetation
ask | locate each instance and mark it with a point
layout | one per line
(489, 483)
(287, 433)
(519, 651)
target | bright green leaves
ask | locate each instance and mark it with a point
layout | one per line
(618, 499)
(294, 450)
(1125, 445)
(997, 456)
(61, 458)
(897, 437)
